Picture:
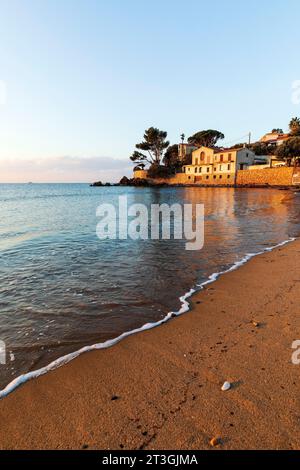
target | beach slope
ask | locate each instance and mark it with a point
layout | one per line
(161, 389)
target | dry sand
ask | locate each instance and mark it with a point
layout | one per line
(161, 389)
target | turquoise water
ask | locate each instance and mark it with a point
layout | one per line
(62, 288)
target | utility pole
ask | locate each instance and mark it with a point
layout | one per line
(249, 138)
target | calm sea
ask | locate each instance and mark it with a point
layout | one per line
(62, 288)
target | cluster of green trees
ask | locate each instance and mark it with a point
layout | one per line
(207, 138)
(288, 150)
(154, 144)
(163, 158)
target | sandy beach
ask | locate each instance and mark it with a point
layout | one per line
(161, 389)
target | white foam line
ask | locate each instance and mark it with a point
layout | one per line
(185, 306)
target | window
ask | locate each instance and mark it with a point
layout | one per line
(207, 177)
(228, 167)
(196, 161)
(220, 167)
(221, 158)
(207, 169)
(228, 176)
(229, 157)
(215, 177)
(196, 170)
(220, 177)
(202, 156)
(200, 169)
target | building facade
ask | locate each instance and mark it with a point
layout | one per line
(274, 139)
(215, 166)
(185, 150)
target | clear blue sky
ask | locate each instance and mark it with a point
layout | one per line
(84, 78)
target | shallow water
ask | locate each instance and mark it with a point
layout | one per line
(62, 288)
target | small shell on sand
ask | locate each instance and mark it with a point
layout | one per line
(226, 386)
(215, 441)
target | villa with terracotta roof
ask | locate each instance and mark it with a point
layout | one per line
(274, 138)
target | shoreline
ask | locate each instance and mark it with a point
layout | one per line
(72, 391)
(185, 307)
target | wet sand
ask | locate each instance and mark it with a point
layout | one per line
(161, 389)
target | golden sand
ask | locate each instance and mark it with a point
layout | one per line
(161, 389)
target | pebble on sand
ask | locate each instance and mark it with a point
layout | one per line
(114, 397)
(226, 386)
(215, 441)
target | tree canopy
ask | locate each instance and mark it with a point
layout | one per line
(289, 150)
(208, 138)
(171, 157)
(295, 126)
(154, 144)
(260, 148)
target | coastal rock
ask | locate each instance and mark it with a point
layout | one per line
(124, 181)
(226, 386)
(99, 183)
(255, 323)
(140, 182)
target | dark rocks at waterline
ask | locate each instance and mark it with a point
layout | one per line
(129, 182)
(138, 182)
(99, 183)
(124, 181)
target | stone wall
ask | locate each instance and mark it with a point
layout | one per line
(296, 176)
(179, 178)
(205, 180)
(140, 174)
(282, 176)
(225, 179)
